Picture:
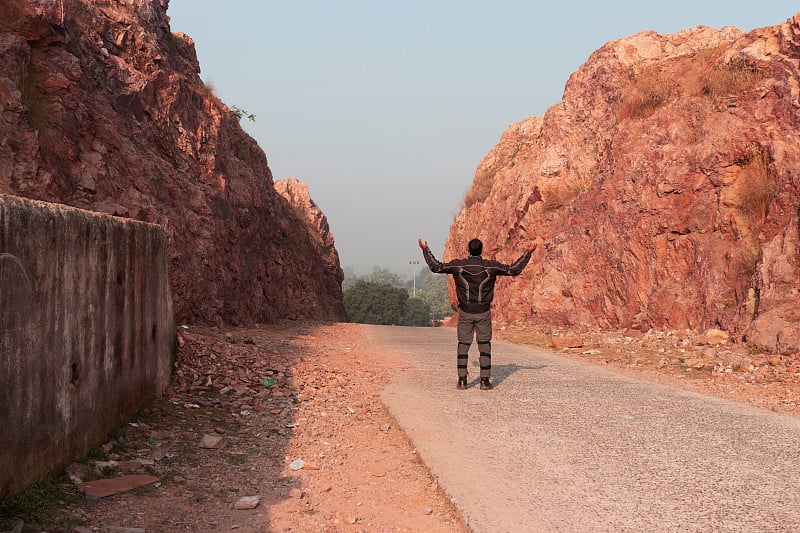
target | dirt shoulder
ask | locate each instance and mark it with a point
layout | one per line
(288, 416)
(708, 363)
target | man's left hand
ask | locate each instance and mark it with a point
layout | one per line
(534, 245)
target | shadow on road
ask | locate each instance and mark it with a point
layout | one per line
(502, 372)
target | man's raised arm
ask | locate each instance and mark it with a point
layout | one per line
(516, 268)
(434, 264)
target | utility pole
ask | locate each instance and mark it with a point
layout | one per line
(414, 264)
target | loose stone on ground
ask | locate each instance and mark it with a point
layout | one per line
(278, 428)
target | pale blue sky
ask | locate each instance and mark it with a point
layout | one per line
(385, 108)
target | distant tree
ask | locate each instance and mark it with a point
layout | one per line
(384, 275)
(417, 313)
(378, 275)
(350, 280)
(434, 293)
(423, 273)
(368, 302)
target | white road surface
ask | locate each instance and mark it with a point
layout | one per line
(564, 446)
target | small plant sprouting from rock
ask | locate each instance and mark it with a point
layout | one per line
(757, 184)
(648, 91)
(481, 188)
(207, 90)
(238, 113)
(730, 78)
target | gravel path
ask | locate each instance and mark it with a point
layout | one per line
(563, 446)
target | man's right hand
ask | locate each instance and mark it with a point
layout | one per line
(423, 244)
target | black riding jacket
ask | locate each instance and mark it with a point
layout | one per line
(474, 277)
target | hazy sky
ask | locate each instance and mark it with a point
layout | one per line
(385, 108)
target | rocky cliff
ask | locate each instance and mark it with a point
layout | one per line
(297, 194)
(102, 107)
(666, 186)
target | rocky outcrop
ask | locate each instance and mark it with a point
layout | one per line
(666, 186)
(297, 194)
(102, 107)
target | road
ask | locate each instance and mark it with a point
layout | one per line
(559, 445)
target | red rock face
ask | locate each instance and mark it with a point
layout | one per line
(666, 185)
(103, 108)
(297, 194)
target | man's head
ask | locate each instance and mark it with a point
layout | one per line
(475, 247)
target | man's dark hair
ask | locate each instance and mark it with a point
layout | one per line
(475, 247)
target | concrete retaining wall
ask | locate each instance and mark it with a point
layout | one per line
(87, 333)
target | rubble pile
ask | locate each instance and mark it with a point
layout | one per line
(276, 428)
(710, 361)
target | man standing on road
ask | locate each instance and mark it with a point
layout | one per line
(474, 278)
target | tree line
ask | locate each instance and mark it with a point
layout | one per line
(383, 298)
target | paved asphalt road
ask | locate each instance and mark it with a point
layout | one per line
(564, 446)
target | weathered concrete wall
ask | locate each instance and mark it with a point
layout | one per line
(87, 332)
